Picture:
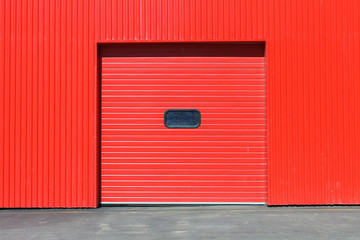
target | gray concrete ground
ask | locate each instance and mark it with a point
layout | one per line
(174, 222)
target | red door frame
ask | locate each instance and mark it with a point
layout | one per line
(100, 45)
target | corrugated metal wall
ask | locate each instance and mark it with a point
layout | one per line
(49, 103)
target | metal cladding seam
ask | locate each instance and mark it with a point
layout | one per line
(49, 107)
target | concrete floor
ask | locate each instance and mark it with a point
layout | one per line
(193, 222)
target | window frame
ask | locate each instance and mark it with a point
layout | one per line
(182, 110)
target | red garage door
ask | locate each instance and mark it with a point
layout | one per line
(221, 161)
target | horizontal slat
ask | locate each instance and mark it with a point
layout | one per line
(166, 105)
(198, 178)
(121, 149)
(189, 200)
(184, 98)
(182, 65)
(122, 87)
(188, 81)
(180, 93)
(181, 70)
(202, 127)
(204, 111)
(184, 154)
(183, 144)
(204, 121)
(180, 138)
(181, 76)
(108, 201)
(178, 166)
(177, 194)
(183, 189)
(179, 183)
(183, 172)
(200, 60)
(204, 115)
(173, 160)
(191, 132)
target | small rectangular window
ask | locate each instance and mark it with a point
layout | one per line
(182, 118)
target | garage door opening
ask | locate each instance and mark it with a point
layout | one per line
(215, 92)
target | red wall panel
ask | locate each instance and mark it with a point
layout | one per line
(49, 90)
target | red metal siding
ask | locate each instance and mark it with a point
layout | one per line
(142, 161)
(49, 105)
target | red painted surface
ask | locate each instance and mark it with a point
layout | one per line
(224, 160)
(49, 104)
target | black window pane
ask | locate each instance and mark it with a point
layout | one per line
(182, 118)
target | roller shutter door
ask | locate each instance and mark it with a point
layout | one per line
(222, 161)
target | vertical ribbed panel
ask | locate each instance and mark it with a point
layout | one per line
(48, 130)
(49, 97)
(314, 145)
